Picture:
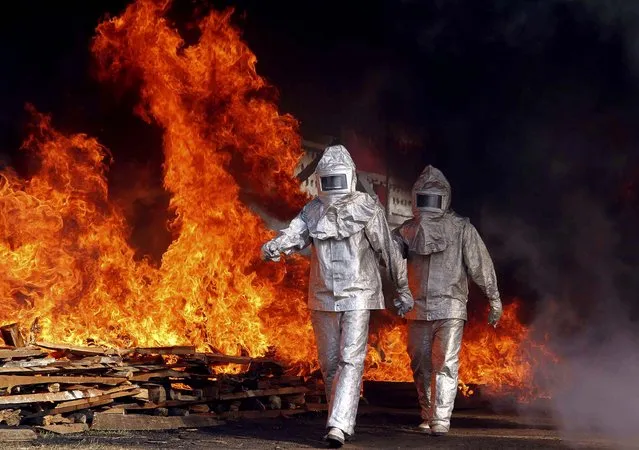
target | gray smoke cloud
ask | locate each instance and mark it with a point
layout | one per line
(570, 244)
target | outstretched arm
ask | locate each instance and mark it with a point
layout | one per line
(481, 269)
(293, 238)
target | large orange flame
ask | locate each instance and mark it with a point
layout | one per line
(63, 249)
(506, 358)
(68, 267)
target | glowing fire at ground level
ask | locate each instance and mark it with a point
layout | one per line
(505, 358)
(68, 269)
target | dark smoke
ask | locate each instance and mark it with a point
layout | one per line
(531, 110)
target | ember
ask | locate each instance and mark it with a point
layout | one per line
(68, 270)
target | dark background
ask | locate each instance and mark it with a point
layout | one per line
(529, 107)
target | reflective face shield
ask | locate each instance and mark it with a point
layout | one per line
(335, 183)
(429, 201)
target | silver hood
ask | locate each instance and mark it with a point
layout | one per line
(336, 161)
(432, 180)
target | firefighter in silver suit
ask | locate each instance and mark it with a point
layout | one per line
(349, 237)
(443, 250)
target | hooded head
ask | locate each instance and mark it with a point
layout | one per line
(431, 193)
(335, 174)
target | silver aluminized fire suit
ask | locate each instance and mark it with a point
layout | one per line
(349, 234)
(443, 249)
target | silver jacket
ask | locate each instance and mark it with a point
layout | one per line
(443, 250)
(349, 236)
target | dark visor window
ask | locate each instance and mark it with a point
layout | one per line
(429, 201)
(333, 182)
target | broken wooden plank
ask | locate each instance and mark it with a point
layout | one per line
(130, 393)
(16, 435)
(68, 428)
(67, 395)
(176, 350)
(44, 397)
(143, 394)
(165, 373)
(7, 381)
(52, 369)
(23, 352)
(90, 360)
(30, 363)
(125, 387)
(166, 404)
(115, 410)
(212, 359)
(187, 396)
(264, 392)
(101, 351)
(51, 419)
(75, 405)
(131, 366)
(134, 422)
(217, 358)
(145, 367)
(11, 335)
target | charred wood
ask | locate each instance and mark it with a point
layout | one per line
(11, 335)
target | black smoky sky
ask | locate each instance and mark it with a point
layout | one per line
(529, 107)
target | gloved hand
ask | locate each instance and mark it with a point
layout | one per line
(494, 315)
(404, 304)
(270, 252)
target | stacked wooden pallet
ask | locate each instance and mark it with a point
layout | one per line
(64, 388)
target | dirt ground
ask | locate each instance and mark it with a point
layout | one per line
(375, 429)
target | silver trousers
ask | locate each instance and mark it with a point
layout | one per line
(341, 339)
(433, 347)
